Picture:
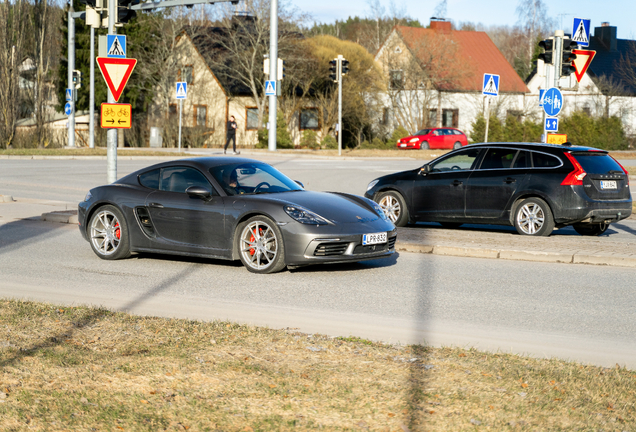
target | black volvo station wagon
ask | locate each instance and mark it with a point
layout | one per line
(533, 187)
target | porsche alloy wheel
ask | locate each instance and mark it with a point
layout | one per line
(109, 234)
(261, 246)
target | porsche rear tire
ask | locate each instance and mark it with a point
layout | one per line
(260, 245)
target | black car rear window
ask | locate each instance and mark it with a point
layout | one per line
(597, 162)
(542, 160)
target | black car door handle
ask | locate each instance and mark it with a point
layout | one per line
(155, 205)
(510, 180)
(457, 183)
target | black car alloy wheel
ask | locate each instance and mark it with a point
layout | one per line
(533, 217)
(394, 207)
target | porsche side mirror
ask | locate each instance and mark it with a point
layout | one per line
(300, 184)
(425, 170)
(199, 192)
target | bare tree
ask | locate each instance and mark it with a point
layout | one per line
(418, 75)
(534, 22)
(13, 33)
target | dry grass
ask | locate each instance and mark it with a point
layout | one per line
(97, 151)
(89, 369)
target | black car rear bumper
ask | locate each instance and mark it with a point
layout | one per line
(579, 208)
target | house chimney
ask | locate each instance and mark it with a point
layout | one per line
(606, 36)
(441, 26)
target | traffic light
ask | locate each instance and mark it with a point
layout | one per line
(333, 70)
(548, 47)
(124, 13)
(568, 57)
(345, 66)
(77, 78)
(281, 69)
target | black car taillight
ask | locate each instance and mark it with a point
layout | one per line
(574, 178)
(624, 170)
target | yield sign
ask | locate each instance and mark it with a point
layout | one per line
(116, 72)
(582, 62)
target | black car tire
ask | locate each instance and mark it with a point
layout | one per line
(533, 217)
(108, 233)
(591, 229)
(394, 207)
(424, 145)
(457, 145)
(269, 245)
(450, 225)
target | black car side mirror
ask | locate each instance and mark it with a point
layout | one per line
(425, 170)
(199, 192)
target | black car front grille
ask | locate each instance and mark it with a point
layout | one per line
(331, 249)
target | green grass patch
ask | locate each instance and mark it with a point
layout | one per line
(78, 368)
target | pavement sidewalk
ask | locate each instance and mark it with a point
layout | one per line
(616, 249)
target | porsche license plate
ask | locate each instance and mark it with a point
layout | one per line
(608, 184)
(377, 238)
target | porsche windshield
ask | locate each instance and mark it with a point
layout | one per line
(252, 178)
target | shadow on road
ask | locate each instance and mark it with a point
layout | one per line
(20, 233)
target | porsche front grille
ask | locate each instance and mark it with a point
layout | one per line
(331, 249)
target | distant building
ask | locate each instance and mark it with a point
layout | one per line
(434, 78)
(603, 90)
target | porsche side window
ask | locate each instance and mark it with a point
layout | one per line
(150, 179)
(464, 160)
(178, 179)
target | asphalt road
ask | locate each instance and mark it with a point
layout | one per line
(577, 312)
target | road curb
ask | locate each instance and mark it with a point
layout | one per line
(68, 217)
(517, 255)
(6, 198)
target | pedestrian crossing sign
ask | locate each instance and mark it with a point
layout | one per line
(491, 85)
(182, 90)
(270, 88)
(116, 46)
(69, 95)
(581, 31)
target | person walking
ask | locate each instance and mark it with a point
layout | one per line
(231, 135)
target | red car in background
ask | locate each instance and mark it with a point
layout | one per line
(434, 138)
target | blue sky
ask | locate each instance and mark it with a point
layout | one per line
(619, 13)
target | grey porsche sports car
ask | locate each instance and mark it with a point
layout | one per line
(232, 208)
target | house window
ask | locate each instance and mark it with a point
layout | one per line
(200, 115)
(309, 118)
(187, 73)
(385, 117)
(396, 79)
(432, 118)
(172, 111)
(587, 110)
(517, 114)
(450, 118)
(252, 118)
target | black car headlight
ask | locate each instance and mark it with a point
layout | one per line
(373, 183)
(305, 216)
(88, 196)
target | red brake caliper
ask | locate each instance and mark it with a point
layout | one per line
(253, 238)
(118, 231)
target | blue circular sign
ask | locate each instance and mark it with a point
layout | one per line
(68, 108)
(553, 102)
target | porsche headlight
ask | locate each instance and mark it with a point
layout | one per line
(373, 183)
(305, 216)
(379, 211)
(88, 196)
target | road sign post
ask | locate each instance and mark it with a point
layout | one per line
(182, 93)
(273, 73)
(111, 134)
(490, 88)
(71, 67)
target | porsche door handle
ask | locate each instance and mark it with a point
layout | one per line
(155, 205)
(510, 180)
(458, 183)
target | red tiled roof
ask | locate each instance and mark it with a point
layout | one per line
(477, 54)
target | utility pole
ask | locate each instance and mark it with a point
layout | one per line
(91, 98)
(339, 75)
(71, 67)
(273, 65)
(111, 134)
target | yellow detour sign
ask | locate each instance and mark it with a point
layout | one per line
(555, 138)
(116, 116)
